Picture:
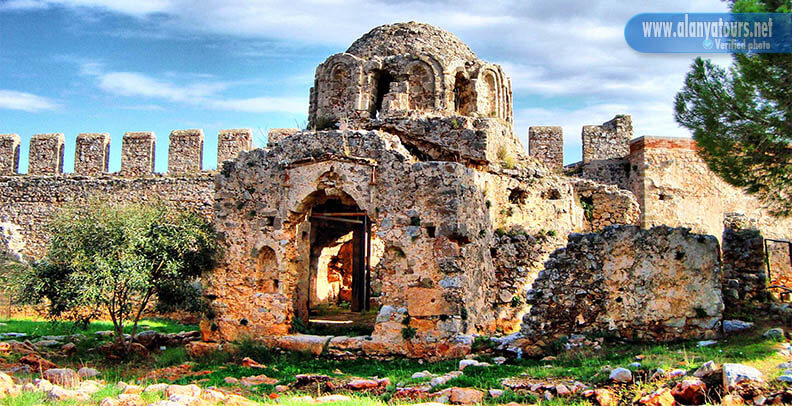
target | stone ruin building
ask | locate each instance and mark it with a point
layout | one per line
(410, 199)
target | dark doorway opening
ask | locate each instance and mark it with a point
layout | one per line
(382, 80)
(339, 301)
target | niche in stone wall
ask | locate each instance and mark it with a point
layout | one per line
(421, 83)
(492, 96)
(267, 271)
(464, 96)
(338, 86)
(61, 153)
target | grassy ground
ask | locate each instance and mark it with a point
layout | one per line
(588, 367)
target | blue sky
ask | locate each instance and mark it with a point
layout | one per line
(113, 66)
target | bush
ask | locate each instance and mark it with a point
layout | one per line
(114, 259)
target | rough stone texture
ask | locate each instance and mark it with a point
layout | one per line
(185, 151)
(660, 284)
(137, 154)
(46, 154)
(605, 206)
(780, 261)
(92, 154)
(405, 68)
(275, 135)
(9, 154)
(611, 140)
(231, 142)
(744, 269)
(676, 188)
(28, 202)
(546, 144)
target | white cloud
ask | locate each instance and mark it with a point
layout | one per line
(569, 51)
(295, 105)
(13, 100)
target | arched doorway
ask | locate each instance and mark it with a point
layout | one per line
(335, 291)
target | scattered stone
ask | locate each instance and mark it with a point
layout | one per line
(155, 388)
(736, 373)
(330, 399)
(676, 373)
(471, 362)
(108, 402)
(258, 380)
(130, 399)
(231, 380)
(691, 391)
(186, 400)
(46, 343)
(422, 374)
(42, 385)
(601, 397)
(6, 382)
(733, 326)
(132, 390)
(785, 378)
(499, 360)
(707, 369)
(236, 400)
(213, 396)
(465, 396)
(776, 332)
(250, 363)
(706, 343)
(495, 393)
(635, 365)
(57, 394)
(200, 349)
(562, 390)
(281, 388)
(732, 400)
(86, 372)
(621, 375)
(62, 376)
(442, 380)
(90, 387)
(365, 384)
(660, 397)
(68, 349)
(187, 390)
(36, 362)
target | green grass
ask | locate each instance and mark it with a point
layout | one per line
(36, 328)
(588, 366)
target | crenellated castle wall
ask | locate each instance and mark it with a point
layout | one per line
(28, 200)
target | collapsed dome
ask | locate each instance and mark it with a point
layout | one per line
(407, 70)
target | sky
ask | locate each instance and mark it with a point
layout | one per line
(112, 66)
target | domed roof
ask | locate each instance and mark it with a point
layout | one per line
(411, 38)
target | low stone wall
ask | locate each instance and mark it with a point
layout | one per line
(662, 284)
(744, 269)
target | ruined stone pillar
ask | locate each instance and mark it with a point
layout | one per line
(611, 140)
(185, 151)
(546, 144)
(744, 268)
(231, 142)
(9, 154)
(46, 154)
(137, 154)
(92, 154)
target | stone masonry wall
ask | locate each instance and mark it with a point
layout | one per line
(744, 270)
(546, 144)
(661, 284)
(675, 187)
(27, 201)
(9, 154)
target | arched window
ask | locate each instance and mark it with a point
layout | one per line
(464, 100)
(267, 271)
(492, 96)
(380, 86)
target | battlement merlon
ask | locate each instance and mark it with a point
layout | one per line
(46, 154)
(185, 151)
(137, 154)
(546, 144)
(611, 140)
(92, 154)
(9, 154)
(231, 142)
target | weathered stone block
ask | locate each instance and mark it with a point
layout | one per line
(185, 151)
(46, 154)
(231, 142)
(546, 144)
(611, 140)
(9, 154)
(92, 154)
(427, 302)
(137, 154)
